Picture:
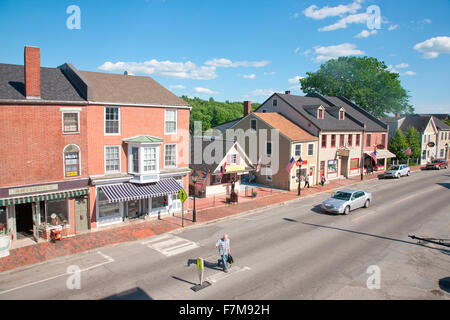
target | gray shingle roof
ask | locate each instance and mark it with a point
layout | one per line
(54, 84)
(330, 121)
(226, 125)
(439, 124)
(205, 165)
(417, 121)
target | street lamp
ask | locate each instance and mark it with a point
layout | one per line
(299, 161)
(194, 179)
(446, 151)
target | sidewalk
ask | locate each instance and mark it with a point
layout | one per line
(146, 228)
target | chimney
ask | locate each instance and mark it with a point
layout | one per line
(32, 73)
(247, 107)
(287, 92)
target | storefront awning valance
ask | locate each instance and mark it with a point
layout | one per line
(42, 197)
(130, 191)
(382, 154)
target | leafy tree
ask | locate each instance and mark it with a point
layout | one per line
(398, 145)
(447, 122)
(212, 113)
(364, 80)
(413, 140)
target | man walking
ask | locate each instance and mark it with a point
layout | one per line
(224, 250)
(323, 180)
(306, 181)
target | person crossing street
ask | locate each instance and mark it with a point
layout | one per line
(223, 244)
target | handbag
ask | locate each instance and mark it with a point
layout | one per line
(230, 259)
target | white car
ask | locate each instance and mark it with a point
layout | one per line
(345, 200)
(397, 171)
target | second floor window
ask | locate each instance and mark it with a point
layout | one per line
(135, 155)
(358, 137)
(333, 140)
(298, 150)
(350, 140)
(170, 125)
(70, 122)
(112, 120)
(324, 141)
(383, 139)
(71, 161)
(269, 148)
(341, 140)
(368, 142)
(149, 158)
(112, 159)
(310, 149)
(170, 155)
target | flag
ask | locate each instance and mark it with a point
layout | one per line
(374, 155)
(258, 166)
(222, 170)
(290, 165)
(201, 181)
(408, 151)
(298, 163)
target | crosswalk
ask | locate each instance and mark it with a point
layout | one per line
(170, 245)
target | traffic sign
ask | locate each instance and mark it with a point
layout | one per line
(182, 195)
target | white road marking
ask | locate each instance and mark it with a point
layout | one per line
(157, 239)
(171, 245)
(62, 275)
(222, 275)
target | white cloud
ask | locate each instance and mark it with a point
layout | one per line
(433, 47)
(269, 73)
(366, 34)
(295, 80)
(318, 14)
(249, 76)
(262, 92)
(427, 20)
(393, 27)
(296, 50)
(307, 52)
(343, 22)
(409, 73)
(180, 70)
(205, 90)
(226, 63)
(402, 65)
(177, 86)
(333, 52)
(392, 69)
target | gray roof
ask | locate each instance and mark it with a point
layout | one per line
(54, 84)
(417, 121)
(214, 143)
(330, 122)
(439, 124)
(226, 125)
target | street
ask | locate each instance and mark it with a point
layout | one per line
(292, 251)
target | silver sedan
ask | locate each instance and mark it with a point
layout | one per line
(346, 200)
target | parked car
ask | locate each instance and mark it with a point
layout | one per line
(437, 164)
(346, 200)
(397, 171)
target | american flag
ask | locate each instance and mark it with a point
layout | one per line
(290, 164)
(222, 170)
(374, 155)
(201, 181)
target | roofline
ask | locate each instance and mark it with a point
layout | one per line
(80, 83)
(136, 105)
(43, 102)
(367, 114)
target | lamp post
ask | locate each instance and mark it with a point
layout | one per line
(194, 179)
(299, 175)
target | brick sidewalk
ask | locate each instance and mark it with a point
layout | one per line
(146, 228)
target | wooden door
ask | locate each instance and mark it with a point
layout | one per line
(81, 214)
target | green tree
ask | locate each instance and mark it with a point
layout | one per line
(363, 80)
(447, 122)
(398, 145)
(413, 140)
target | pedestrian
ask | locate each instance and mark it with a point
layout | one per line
(306, 181)
(223, 244)
(322, 180)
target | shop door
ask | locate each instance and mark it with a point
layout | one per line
(81, 214)
(344, 167)
(24, 220)
(322, 168)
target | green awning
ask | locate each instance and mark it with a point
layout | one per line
(42, 197)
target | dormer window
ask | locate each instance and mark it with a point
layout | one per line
(341, 114)
(320, 113)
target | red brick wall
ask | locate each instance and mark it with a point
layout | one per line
(376, 139)
(32, 144)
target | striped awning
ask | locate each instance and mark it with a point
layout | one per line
(130, 191)
(45, 196)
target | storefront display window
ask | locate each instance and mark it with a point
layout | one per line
(332, 166)
(3, 219)
(159, 202)
(133, 208)
(106, 209)
(60, 209)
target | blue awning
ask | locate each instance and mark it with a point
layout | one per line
(130, 191)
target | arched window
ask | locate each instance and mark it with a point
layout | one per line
(71, 161)
(341, 114)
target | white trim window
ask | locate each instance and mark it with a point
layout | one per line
(253, 126)
(149, 159)
(298, 150)
(233, 159)
(310, 149)
(170, 155)
(170, 121)
(112, 120)
(268, 148)
(71, 122)
(112, 159)
(72, 161)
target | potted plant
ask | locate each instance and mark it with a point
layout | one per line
(254, 194)
(228, 199)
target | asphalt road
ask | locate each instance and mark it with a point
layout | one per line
(291, 251)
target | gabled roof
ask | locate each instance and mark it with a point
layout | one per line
(54, 84)
(285, 126)
(440, 125)
(330, 122)
(128, 89)
(420, 122)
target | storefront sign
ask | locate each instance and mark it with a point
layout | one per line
(234, 168)
(431, 144)
(72, 173)
(17, 191)
(343, 152)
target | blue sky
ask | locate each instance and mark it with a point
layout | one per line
(236, 50)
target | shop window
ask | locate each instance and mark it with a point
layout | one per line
(57, 212)
(133, 208)
(332, 166)
(3, 219)
(72, 161)
(354, 164)
(302, 172)
(159, 202)
(106, 209)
